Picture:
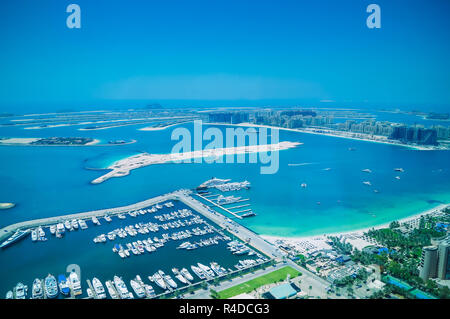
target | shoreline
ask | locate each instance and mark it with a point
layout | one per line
(414, 147)
(359, 231)
(160, 128)
(94, 142)
(4, 206)
(124, 166)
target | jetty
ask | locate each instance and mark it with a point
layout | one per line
(11, 229)
(221, 207)
(184, 196)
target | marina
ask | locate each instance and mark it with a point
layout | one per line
(178, 223)
(220, 201)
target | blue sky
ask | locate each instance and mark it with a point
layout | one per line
(225, 50)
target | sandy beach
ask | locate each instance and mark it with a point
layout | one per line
(160, 128)
(19, 141)
(319, 240)
(123, 167)
(6, 205)
(346, 135)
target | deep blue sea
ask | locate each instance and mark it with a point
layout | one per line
(50, 181)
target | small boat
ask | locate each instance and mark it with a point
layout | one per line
(159, 280)
(170, 281)
(397, 177)
(95, 221)
(37, 292)
(366, 170)
(399, 169)
(60, 229)
(50, 286)
(75, 283)
(34, 235)
(90, 293)
(198, 272)
(15, 237)
(63, 285)
(303, 185)
(121, 288)
(186, 274)
(367, 183)
(98, 288)
(111, 290)
(137, 288)
(149, 291)
(181, 279)
(20, 291)
(52, 229)
(9, 295)
(82, 224)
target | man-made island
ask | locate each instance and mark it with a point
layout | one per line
(351, 124)
(124, 166)
(6, 205)
(50, 141)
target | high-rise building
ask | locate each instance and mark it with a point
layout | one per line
(443, 271)
(428, 263)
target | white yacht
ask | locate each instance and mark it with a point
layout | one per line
(82, 224)
(99, 289)
(60, 228)
(95, 220)
(186, 274)
(198, 272)
(111, 290)
(206, 270)
(137, 288)
(68, 225)
(159, 280)
(34, 236)
(75, 283)
(90, 293)
(181, 279)
(20, 291)
(37, 292)
(170, 281)
(74, 223)
(121, 288)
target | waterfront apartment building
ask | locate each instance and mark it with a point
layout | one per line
(428, 263)
(443, 271)
(435, 261)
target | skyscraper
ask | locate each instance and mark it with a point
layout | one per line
(428, 263)
(443, 271)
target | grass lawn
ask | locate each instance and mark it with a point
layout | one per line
(273, 277)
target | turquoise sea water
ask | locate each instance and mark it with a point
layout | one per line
(50, 181)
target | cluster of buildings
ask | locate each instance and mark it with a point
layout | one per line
(301, 118)
(435, 261)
